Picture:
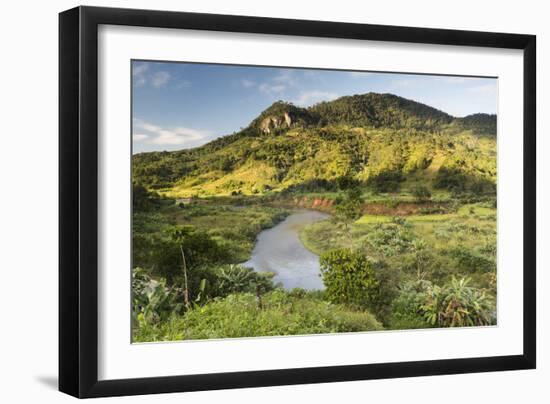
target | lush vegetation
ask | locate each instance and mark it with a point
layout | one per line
(245, 315)
(383, 141)
(410, 243)
(431, 250)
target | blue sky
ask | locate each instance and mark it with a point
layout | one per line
(183, 105)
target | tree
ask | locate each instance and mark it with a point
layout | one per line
(420, 254)
(386, 181)
(346, 182)
(421, 193)
(141, 198)
(349, 210)
(162, 253)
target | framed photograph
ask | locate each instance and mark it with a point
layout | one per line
(251, 201)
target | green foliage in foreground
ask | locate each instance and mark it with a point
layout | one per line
(242, 315)
(153, 301)
(455, 304)
(348, 277)
(458, 305)
(236, 278)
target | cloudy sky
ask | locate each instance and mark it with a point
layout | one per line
(183, 105)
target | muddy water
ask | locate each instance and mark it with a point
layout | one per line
(279, 250)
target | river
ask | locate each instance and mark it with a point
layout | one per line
(279, 250)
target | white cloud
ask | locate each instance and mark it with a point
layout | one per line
(278, 83)
(286, 77)
(138, 137)
(143, 75)
(177, 136)
(160, 78)
(138, 73)
(140, 69)
(307, 98)
(272, 88)
(247, 83)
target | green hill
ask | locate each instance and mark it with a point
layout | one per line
(387, 143)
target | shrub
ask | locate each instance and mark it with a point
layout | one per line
(152, 300)
(406, 309)
(450, 179)
(391, 238)
(232, 279)
(472, 261)
(348, 277)
(421, 193)
(458, 305)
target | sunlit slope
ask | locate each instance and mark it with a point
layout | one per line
(386, 142)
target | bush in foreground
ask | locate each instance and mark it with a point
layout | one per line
(455, 304)
(349, 277)
(243, 315)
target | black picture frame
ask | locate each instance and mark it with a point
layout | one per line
(78, 201)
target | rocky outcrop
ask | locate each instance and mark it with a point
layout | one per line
(273, 122)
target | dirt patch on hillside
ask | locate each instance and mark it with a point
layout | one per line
(387, 208)
(305, 202)
(403, 208)
(322, 204)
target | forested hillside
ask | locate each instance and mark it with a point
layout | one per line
(383, 141)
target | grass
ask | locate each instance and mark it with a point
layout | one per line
(248, 179)
(240, 315)
(459, 243)
(233, 226)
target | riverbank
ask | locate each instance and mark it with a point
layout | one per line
(279, 250)
(233, 228)
(442, 245)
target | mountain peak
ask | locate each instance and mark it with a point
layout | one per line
(380, 110)
(283, 115)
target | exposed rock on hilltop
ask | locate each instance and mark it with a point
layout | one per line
(282, 115)
(275, 122)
